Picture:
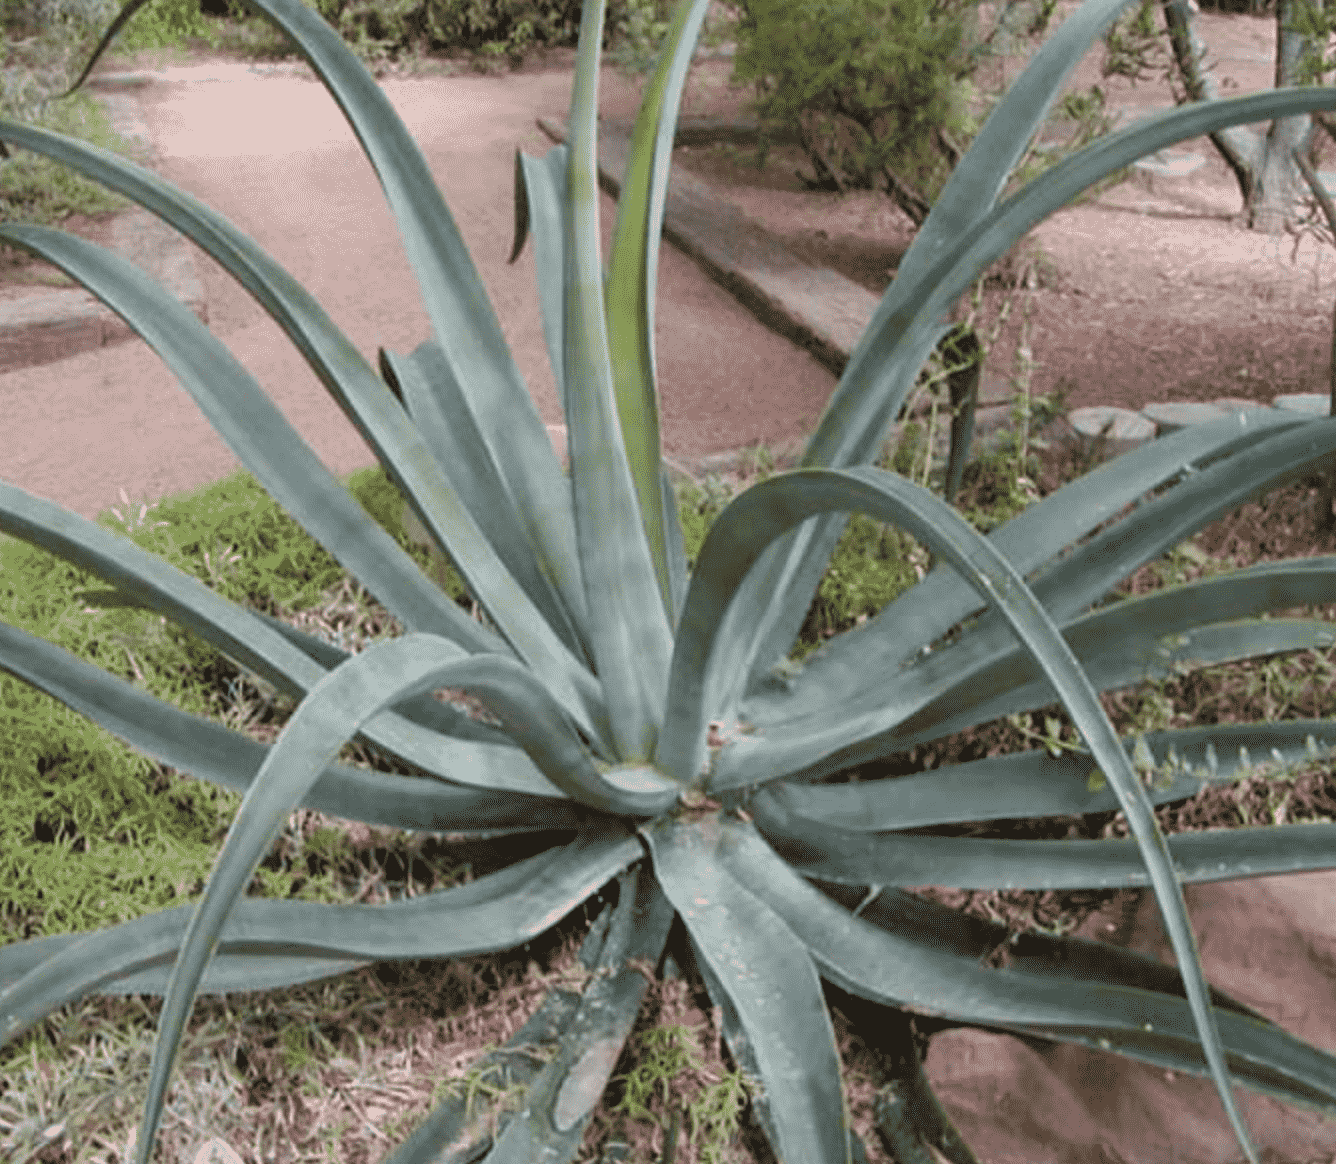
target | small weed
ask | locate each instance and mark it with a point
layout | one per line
(671, 1078)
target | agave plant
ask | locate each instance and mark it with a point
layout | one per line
(650, 716)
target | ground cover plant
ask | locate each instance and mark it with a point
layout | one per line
(647, 744)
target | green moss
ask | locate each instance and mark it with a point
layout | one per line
(75, 796)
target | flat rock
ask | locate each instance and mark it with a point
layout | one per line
(1267, 941)
(1236, 403)
(1170, 417)
(1109, 430)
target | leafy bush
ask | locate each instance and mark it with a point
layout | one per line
(44, 42)
(886, 104)
(869, 102)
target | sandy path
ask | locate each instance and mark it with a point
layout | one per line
(275, 156)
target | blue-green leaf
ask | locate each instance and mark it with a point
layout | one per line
(633, 275)
(765, 512)
(872, 720)
(248, 639)
(264, 943)
(769, 978)
(881, 369)
(493, 788)
(254, 428)
(1032, 784)
(901, 951)
(848, 857)
(839, 670)
(561, 1099)
(508, 479)
(540, 198)
(384, 674)
(632, 639)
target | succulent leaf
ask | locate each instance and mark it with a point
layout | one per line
(756, 960)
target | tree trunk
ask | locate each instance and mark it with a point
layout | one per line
(1263, 163)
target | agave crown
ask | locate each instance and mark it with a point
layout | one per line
(607, 664)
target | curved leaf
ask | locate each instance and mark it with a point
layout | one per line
(426, 711)
(839, 670)
(633, 277)
(632, 640)
(899, 341)
(856, 729)
(1031, 784)
(493, 789)
(561, 1099)
(766, 511)
(540, 195)
(1070, 990)
(347, 376)
(1140, 658)
(265, 944)
(516, 525)
(897, 954)
(294, 476)
(149, 581)
(879, 375)
(385, 673)
(848, 857)
(759, 963)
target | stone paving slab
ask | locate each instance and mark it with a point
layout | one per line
(1121, 429)
(51, 325)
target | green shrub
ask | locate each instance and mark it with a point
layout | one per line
(165, 23)
(887, 104)
(43, 40)
(386, 30)
(868, 105)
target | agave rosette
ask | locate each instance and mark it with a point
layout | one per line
(607, 664)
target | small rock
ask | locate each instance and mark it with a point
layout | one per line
(1236, 403)
(1120, 429)
(1169, 417)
